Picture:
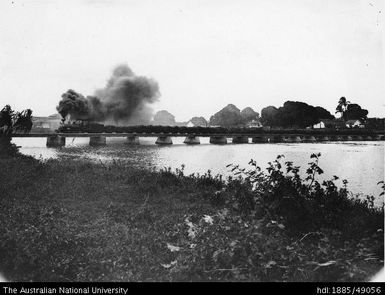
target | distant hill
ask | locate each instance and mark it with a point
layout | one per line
(248, 115)
(232, 116)
(197, 122)
(163, 118)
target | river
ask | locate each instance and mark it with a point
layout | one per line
(361, 163)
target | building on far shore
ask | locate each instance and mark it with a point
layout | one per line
(354, 124)
(197, 122)
(331, 124)
(254, 124)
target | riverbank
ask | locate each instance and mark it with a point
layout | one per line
(81, 221)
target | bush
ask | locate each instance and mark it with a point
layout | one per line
(303, 204)
(8, 149)
(274, 226)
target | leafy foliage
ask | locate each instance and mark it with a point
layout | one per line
(7, 148)
(306, 204)
(294, 114)
(84, 221)
(351, 111)
(11, 121)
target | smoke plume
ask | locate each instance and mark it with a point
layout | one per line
(126, 99)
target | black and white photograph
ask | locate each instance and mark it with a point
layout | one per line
(191, 141)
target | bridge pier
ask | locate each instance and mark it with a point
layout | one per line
(323, 138)
(98, 141)
(287, 139)
(335, 138)
(218, 139)
(192, 139)
(132, 140)
(326, 138)
(164, 140)
(257, 139)
(359, 138)
(309, 139)
(338, 138)
(297, 139)
(56, 141)
(240, 139)
(271, 139)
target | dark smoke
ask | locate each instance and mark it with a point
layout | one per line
(126, 99)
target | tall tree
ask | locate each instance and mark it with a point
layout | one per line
(294, 114)
(342, 107)
(23, 121)
(269, 116)
(351, 111)
(6, 120)
(11, 121)
(355, 112)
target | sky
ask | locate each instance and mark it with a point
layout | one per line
(203, 54)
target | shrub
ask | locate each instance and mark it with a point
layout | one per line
(8, 149)
(303, 204)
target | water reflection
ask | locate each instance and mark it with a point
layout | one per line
(361, 163)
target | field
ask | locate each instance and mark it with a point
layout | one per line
(82, 221)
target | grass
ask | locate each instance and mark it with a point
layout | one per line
(75, 220)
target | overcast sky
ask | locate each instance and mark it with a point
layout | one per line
(204, 54)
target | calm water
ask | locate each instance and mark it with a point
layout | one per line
(361, 163)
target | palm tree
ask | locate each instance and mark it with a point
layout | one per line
(11, 122)
(342, 107)
(23, 121)
(6, 116)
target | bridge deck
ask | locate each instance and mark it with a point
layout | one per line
(135, 134)
(185, 134)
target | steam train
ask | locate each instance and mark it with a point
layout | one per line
(80, 126)
(91, 127)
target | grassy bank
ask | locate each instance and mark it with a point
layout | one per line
(76, 220)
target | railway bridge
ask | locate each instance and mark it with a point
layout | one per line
(99, 139)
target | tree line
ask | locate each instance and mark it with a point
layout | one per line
(293, 114)
(12, 121)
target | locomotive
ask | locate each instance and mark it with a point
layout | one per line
(81, 126)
